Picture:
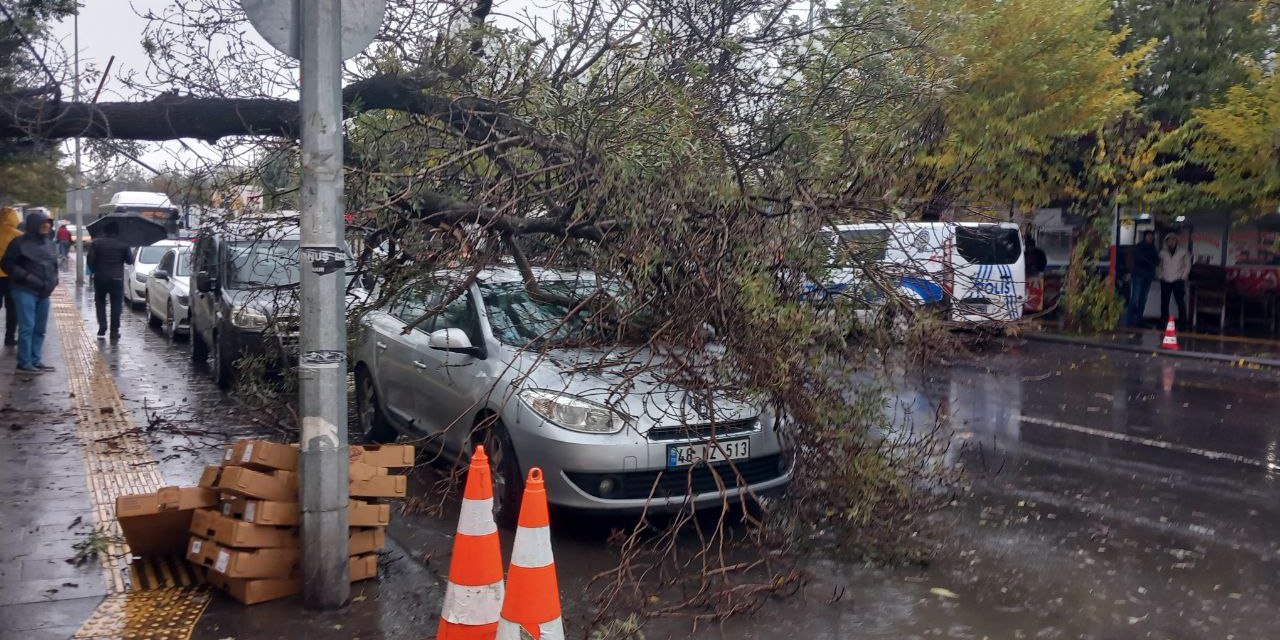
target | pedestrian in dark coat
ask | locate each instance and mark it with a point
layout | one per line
(32, 265)
(107, 257)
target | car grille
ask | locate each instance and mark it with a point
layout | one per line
(636, 485)
(703, 431)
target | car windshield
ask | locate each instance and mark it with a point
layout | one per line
(151, 255)
(988, 244)
(264, 263)
(183, 268)
(518, 320)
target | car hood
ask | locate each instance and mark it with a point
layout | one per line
(637, 382)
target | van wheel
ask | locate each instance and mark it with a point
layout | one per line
(170, 322)
(199, 348)
(373, 424)
(222, 364)
(508, 482)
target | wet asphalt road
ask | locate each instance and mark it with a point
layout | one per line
(1108, 495)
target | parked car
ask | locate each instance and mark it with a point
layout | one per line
(497, 368)
(168, 298)
(246, 295)
(145, 260)
(245, 281)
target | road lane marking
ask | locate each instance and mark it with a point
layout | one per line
(1158, 444)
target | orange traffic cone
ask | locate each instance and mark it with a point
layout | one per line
(1170, 336)
(533, 596)
(473, 597)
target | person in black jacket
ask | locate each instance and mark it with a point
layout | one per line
(1142, 270)
(32, 265)
(107, 257)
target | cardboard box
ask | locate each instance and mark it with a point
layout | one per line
(209, 477)
(366, 540)
(288, 514)
(155, 524)
(264, 455)
(242, 563)
(378, 487)
(385, 455)
(362, 471)
(227, 531)
(249, 591)
(280, 486)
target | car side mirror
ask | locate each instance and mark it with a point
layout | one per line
(160, 274)
(453, 341)
(205, 282)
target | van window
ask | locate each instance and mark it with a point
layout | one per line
(857, 247)
(988, 245)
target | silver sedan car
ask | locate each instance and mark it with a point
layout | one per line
(498, 368)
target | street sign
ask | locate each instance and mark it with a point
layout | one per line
(79, 201)
(277, 21)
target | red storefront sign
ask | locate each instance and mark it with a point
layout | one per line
(1248, 279)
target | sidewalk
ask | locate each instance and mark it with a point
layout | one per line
(75, 438)
(46, 505)
(1236, 350)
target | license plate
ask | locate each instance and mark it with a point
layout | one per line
(683, 455)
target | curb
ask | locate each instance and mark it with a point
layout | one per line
(1238, 361)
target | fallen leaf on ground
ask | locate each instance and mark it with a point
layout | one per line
(943, 593)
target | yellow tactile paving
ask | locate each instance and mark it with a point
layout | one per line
(118, 462)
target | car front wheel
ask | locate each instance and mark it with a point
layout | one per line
(222, 363)
(508, 483)
(373, 424)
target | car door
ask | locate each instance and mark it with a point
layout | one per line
(451, 384)
(395, 352)
(204, 259)
(158, 288)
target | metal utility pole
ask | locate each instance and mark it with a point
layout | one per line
(78, 199)
(321, 34)
(322, 369)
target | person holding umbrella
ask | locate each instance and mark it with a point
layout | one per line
(32, 266)
(106, 260)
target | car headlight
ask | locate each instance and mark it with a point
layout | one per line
(573, 413)
(184, 300)
(247, 318)
(140, 277)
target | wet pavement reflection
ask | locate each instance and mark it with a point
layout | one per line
(1107, 495)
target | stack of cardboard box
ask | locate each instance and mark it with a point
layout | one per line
(250, 545)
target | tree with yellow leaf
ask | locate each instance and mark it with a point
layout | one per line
(1028, 74)
(1238, 141)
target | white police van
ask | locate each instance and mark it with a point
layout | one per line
(975, 270)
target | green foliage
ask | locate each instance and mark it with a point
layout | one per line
(32, 177)
(1238, 141)
(1090, 303)
(1028, 73)
(1201, 49)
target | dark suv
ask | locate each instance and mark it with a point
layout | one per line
(245, 298)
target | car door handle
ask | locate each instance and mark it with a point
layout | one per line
(420, 364)
(382, 346)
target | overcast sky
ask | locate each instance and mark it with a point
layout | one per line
(114, 28)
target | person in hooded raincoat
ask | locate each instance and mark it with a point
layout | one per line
(8, 231)
(31, 262)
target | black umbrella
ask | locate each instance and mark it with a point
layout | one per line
(132, 229)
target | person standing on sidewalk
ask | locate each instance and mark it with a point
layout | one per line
(1144, 260)
(1174, 269)
(64, 243)
(8, 231)
(106, 260)
(32, 266)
